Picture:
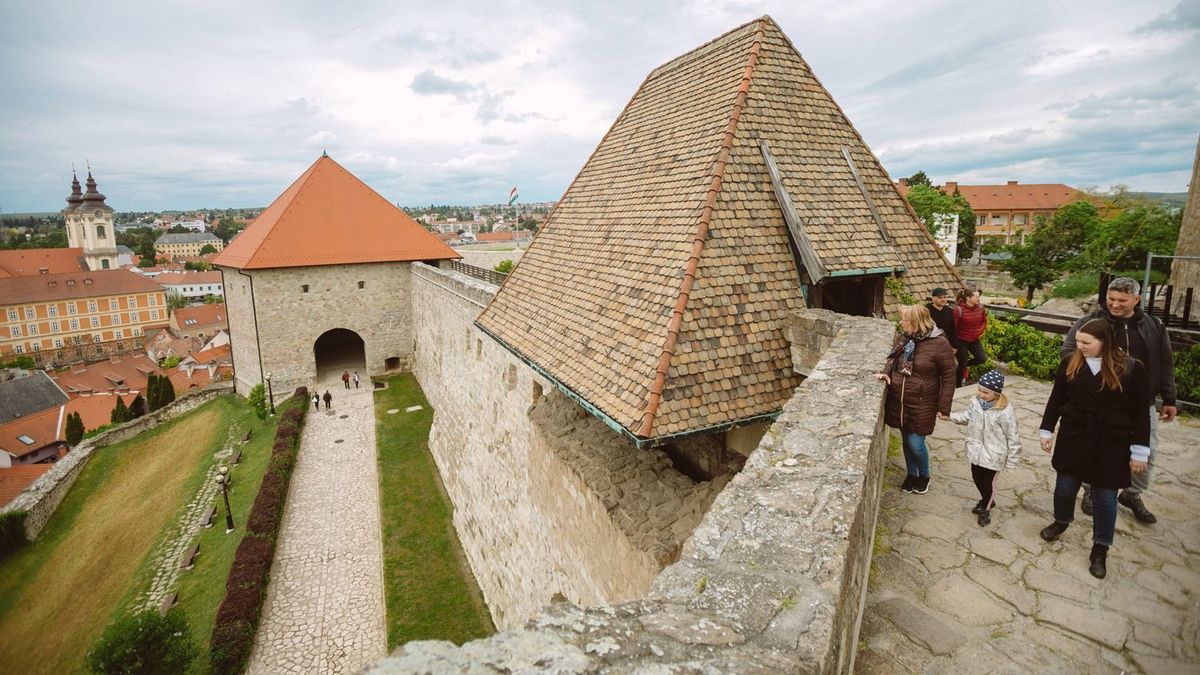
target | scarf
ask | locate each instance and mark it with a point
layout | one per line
(907, 349)
(986, 405)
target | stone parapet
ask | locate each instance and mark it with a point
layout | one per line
(40, 499)
(774, 577)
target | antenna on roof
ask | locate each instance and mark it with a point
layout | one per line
(323, 153)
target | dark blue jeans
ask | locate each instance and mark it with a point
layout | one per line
(1104, 507)
(916, 454)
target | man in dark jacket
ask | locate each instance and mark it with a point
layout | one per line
(1144, 338)
(943, 316)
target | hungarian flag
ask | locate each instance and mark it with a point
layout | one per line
(512, 195)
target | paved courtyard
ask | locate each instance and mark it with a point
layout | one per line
(949, 596)
(324, 611)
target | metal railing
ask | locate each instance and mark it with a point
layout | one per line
(491, 276)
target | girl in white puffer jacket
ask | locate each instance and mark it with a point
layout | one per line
(993, 439)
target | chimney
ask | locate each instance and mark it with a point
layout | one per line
(903, 182)
(950, 187)
(1012, 183)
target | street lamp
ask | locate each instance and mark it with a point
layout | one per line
(270, 394)
(223, 481)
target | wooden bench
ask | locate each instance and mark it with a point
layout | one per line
(237, 457)
(246, 438)
(189, 558)
(209, 516)
(167, 603)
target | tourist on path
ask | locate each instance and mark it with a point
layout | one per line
(1144, 338)
(356, 379)
(942, 314)
(316, 401)
(346, 379)
(328, 400)
(993, 439)
(970, 321)
(920, 374)
(1099, 403)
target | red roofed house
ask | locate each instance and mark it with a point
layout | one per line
(1009, 210)
(200, 321)
(320, 282)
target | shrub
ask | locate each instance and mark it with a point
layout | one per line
(1187, 374)
(74, 429)
(504, 266)
(1025, 349)
(146, 642)
(12, 532)
(258, 399)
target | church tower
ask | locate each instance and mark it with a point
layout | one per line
(90, 225)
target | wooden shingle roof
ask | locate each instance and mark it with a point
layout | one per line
(657, 290)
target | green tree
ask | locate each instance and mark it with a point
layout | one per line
(504, 266)
(147, 643)
(168, 389)
(227, 227)
(175, 301)
(1123, 241)
(1037, 261)
(74, 429)
(919, 178)
(138, 407)
(258, 399)
(120, 413)
(927, 201)
(207, 248)
(153, 393)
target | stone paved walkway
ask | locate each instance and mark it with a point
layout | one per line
(324, 611)
(949, 596)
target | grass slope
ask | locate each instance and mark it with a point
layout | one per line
(429, 589)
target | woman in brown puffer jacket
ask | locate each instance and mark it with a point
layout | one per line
(920, 374)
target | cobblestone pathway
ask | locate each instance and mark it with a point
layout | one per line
(948, 596)
(324, 611)
(187, 527)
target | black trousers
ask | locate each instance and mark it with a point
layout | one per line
(969, 354)
(985, 482)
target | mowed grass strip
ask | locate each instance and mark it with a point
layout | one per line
(429, 589)
(58, 594)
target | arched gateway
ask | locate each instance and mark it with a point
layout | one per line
(337, 350)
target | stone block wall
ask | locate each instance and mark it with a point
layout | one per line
(290, 318)
(41, 499)
(772, 580)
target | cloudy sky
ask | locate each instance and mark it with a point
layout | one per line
(183, 105)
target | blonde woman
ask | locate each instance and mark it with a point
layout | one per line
(920, 377)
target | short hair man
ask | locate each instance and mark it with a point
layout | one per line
(942, 315)
(1144, 338)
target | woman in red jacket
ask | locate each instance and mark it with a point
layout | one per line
(970, 320)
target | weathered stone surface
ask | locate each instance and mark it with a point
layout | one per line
(1161, 666)
(920, 626)
(1000, 582)
(1057, 583)
(961, 597)
(995, 549)
(1107, 628)
(934, 527)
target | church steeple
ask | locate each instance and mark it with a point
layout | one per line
(92, 198)
(76, 197)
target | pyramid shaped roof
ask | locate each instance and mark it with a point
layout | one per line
(657, 291)
(330, 217)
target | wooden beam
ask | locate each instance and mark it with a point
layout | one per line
(809, 260)
(867, 196)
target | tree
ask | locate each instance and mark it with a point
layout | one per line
(138, 407)
(919, 178)
(1122, 242)
(175, 301)
(168, 389)
(504, 266)
(227, 227)
(146, 642)
(927, 200)
(258, 400)
(207, 248)
(1038, 261)
(120, 413)
(153, 393)
(74, 430)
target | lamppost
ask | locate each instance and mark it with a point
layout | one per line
(223, 481)
(270, 394)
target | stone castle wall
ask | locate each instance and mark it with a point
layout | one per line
(290, 319)
(772, 580)
(41, 499)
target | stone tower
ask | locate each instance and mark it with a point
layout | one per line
(90, 225)
(1186, 273)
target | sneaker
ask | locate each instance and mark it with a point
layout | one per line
(907, 485)
(1053, 530)
(985, 517)
(1086, 505)
(1134, 503)
(979, 507)
(921, 485)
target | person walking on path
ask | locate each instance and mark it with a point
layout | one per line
(316, 401)
(970, 321)
(919, 373)
(942, 314)
(1144, 338)
(356, 379)
(993, 439)
(1098, 403)
(328, 400)
(346, 379)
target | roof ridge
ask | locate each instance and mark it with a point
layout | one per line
(312, 170)
(675, 61)
(710, 201)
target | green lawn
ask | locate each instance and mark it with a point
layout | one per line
(430, 592)
(95, 555)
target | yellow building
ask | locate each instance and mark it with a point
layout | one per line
(186, 245)
(56, 312)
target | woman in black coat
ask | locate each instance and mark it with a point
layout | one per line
(1099, 402)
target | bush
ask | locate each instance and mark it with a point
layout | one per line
(258, 399)
(246, 586)
(504, 266)
(1025, 349)
(146, 642)
(1187, 374)
(12, 532)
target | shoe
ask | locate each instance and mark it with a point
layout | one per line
(979, 507)
(921, 485)
(1086, 505)
(985, 517)
(1099, 558)
(1053, 530)
(1134, 502)
(907, 485)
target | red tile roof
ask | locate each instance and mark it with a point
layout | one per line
(43, 287)
(330, 217)
(96, 411)
(14, 479)
(30, 261)
(200, 315)
(205, 356)
(1012, 196)
(117, 373)
(43, 428)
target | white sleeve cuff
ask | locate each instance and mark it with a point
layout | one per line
(1140, 453)
(1045, 434)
